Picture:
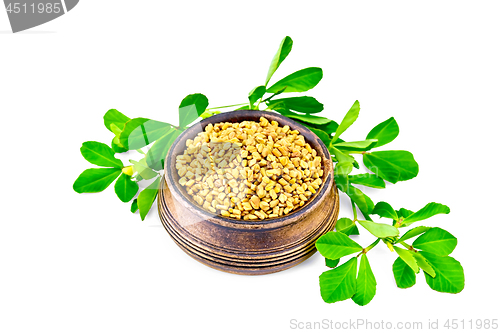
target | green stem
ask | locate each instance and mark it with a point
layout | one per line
(369, 247)
(354, 211)
(408, 247)
(226, 106)
(258, 104)
(269, 98)
(372, 245)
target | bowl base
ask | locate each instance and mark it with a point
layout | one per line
(230, 257)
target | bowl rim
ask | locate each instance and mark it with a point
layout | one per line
(222, 117)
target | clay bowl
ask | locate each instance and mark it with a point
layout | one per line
(239, 246)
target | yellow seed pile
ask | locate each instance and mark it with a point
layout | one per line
(249, 170)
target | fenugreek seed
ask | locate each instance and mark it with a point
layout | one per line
(283, 182)
(310, 188)
(247, 206)
(182, 171)
(255, 202)
(269, 186)
(274, 163)
(183, 181)
(273, 203)
(264, 205)
(261, 192)
(260, 214)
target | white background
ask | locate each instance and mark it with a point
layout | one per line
(83, 263)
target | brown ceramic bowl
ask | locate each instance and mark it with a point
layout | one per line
(241, 246)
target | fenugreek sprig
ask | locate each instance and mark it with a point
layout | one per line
(429, 252)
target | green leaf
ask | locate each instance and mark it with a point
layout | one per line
(299, 81)
(140, 132)
(191, 107)
(392, 165)
(449, 274)
(424, 264)
(147, 197)
(256, 94)
(142, 169)
(343, 168)
(134, 207)
(341, 157)
(157, 154)
(367, 179)
(331, 263)
(315, 120)
(436, 241)
(115, 129)
(364, 203)
(342, 182)
(403, 212)
(305, 104)
(348, 120)
(346, 226)
(429, 210)
(413, 233)
(355, 163)
(116, 148)
(356, 145)
(125, 188)
(95, 180)
(403, 274)
(323, 136)
(365, 283)
(100, 154)
(283, 51)
(334, 245)
(339, 284)
(384, 132)
(379, 230)
(383, 209)
(328, 128)
(408, 258)
(115, 117)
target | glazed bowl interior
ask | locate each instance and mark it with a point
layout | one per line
(179, 146)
